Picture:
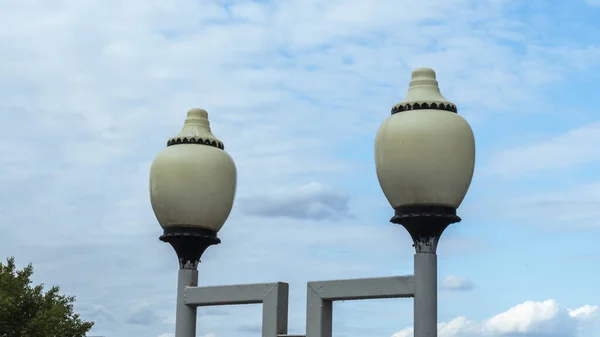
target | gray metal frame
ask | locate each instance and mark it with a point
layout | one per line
(321, 295)
(320, 298)
(273, 296)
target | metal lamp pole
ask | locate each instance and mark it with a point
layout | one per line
(192, 187)
(424, 155)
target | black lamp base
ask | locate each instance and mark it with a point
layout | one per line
(425, 224)
(189, 243)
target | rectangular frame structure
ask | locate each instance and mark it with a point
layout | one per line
(273, 296)
(319, 306)
(320, 297)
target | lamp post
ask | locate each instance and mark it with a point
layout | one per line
(192, 187)
(424, 156)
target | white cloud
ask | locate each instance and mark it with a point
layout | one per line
(143, 315)
(457, 283)
(565, 151)
(99, 314)
(576, 206)
(585, 312)
(540, 319)
(312, 201)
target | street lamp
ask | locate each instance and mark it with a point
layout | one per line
(424, 156)
(192, 187)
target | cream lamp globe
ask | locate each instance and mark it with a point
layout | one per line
(424, 151)
(425, 157)
(192, 188)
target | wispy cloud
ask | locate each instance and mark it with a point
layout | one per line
(457, 283)
(143, 315)
(312, 202)
(565, 151)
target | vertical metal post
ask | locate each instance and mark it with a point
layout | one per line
(425, 303)
(319, 315)
(275, 310)
(425, 224)
(189, 244)
(185, 321)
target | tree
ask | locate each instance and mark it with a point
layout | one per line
(26, 311)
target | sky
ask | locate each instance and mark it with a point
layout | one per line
(90, 91)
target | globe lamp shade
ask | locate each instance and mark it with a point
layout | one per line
(425, 151)
(193, 180)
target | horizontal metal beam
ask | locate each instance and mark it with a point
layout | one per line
(228, 295)
(273, 296)
(367, 288)
(322, 294)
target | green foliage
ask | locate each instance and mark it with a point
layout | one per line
(26, 311)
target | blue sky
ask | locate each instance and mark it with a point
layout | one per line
(90, 91)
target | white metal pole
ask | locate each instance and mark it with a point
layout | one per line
(425, 302)
(185, 321)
